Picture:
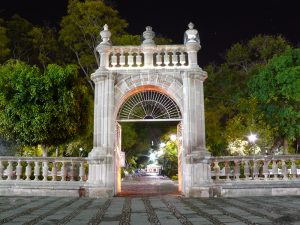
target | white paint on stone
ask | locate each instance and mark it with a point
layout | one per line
(170, 69)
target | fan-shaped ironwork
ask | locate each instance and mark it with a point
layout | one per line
(147, 105)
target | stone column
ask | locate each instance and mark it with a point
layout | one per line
(100, 159)
(197, 168)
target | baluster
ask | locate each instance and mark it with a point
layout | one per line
(138, 59)
(19, 170)
(246, 169)
(182, 58)
(284, 169)
(72, 171)
(122, 59)
(54, 171)
(130, 59)
(217, 169)
(114, 60)
(237, 170)
(266, 168)
(1, 170)
(166, 58)
(275, 169)
(158, 59)
(9, 170)
(45, 170)
(28, 171)
(255, 169)
(174, 59)
(81, 171)
(293, 169)
(227, 170)
(36, 170)
(63, 171)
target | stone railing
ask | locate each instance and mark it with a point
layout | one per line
(269, 167)
(42, 169)
(135, 57)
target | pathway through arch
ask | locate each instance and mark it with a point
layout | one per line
(148, 185)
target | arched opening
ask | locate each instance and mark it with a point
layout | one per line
(153, 114)
(149, 104)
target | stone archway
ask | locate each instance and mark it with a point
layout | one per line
(143, 104)
(170, 70)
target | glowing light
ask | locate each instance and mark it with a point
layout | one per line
(162, 145)
(152, 156)
(173, 137)
(252, 138)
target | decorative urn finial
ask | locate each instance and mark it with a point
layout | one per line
(148, 36)
(191, 35)
(105, 35)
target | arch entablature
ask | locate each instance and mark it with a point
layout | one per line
(130, 85)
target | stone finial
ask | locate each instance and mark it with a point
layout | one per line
(191, 26)
(148, 36)
(105, 35)
(191, 35)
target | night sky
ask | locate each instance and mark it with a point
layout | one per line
(220, 23)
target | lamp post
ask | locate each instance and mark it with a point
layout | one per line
(252, 139)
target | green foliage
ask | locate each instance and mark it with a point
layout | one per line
(40, 108)
(46, 48)
(129, 135)
(277, 90)
(20, 43)
(4, 41)
(227, 94)
(169, 159)
(80, 31)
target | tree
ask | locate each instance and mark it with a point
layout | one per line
(277, 90)
(20, 43)
(226, 86)
(45, 108)
(4, 50)
(80, 31)
(46, 48)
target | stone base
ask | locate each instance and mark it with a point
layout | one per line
(199, 192)
(99, 192)
(42, 188)
(252, 188)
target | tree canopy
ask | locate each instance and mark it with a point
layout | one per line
(40, 107)
(277, 90)
(230, 111)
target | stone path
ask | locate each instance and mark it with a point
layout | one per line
(165, 210)
(148, 185)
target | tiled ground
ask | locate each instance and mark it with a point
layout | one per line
(165, 210)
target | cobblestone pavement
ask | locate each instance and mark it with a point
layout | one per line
(165, 209)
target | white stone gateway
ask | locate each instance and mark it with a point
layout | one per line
(154, 83)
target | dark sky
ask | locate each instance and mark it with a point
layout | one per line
(220, 23)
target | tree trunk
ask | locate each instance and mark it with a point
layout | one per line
(285, 146)
(45, 150)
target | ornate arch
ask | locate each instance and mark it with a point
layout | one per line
(149, 104)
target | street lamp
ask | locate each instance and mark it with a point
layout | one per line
(252, 139)
(173, 137)
(162, 145)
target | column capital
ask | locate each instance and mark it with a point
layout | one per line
(102, 74)
(197, 74)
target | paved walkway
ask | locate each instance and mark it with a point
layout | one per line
(165, 210)
(149, 200)
(148, 185)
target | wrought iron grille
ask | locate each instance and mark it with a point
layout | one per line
(147, 105)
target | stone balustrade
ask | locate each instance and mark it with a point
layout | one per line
(42, 169)
(135, 57)
(268, 167)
